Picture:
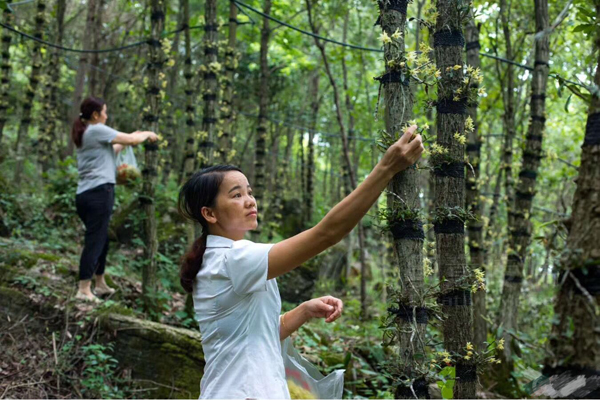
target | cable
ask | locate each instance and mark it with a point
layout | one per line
(303, 31)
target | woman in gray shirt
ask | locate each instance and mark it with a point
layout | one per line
(97, 147)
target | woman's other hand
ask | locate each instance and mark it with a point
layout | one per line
(405, 152)
(327, 307)
(151, 136)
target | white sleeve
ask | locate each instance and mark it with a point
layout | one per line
(105, 134)
(247, 264)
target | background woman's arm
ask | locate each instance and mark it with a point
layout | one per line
(132, 139)
(288, 254)
(117, 148)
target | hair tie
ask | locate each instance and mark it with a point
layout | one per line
(80, 115)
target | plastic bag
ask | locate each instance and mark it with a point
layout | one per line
(127, 168)
(304, 379)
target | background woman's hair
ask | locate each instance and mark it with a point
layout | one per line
(87, 108)
(199, 191)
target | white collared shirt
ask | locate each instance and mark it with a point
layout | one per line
(238, 310)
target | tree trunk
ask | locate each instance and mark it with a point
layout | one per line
(227, 114)
(154, 95)
(48, 138)
(519, 228)
(8, 19)
(210, 89)
(410, 315)
(82, 70)
(34, 79)
(313, 93)
(190, 111)
(575, 339)
(95, 32)
(261, 131)
(473, 204)
(449, 201)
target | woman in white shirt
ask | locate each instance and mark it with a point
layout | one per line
(236, 298)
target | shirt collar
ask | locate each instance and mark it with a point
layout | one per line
(213, 241)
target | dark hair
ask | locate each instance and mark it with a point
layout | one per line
(86, 109)
(199, 191)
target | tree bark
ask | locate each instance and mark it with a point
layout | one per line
(210, 88)
(262, 127)
(449, 173)
(155, 80)
(48, 139)
(30, 92)
(519, 228)
(227, 114)
(575, 339)
(313, 93)
(473, 204)
(404, 222)
(95, 32)
(5, 68)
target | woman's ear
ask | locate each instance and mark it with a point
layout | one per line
(208, 215)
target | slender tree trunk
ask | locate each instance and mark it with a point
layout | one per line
(519, 228)
(48, 138)
(262, 128)
(154, 94)
(210, 91)
(475, 226)
(5, 68)
(95, 31)
(190, 110)
(82, 69)
(404, 222)
(450, 195)
(313, 93)
(30, 92)
(575, 339)
(231, 63)
(349, 171)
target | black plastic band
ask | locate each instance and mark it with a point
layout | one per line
(406, 312)
(537, 62)
(524, 196)
(473, 45)
(472, 228)
(260, 152)
(538, 118)
(407, 229)
(209, 120)
(233, 20)
(513, 278)
(592, 130)
(456, 297)
(526, 173)
(148, 146)
(588, 278)
(153, 42)
(514, 258)
(393, 76)
(534, 138)
(531, 155)
(447, 38)
(206, 144)
(520, 233)
(448, 226)
(420, 387)
(538, 97)
(145, 200)
(209, 75)
(453, 170)
(466, 372)
(190, 122)
(153, 90)
(449, 106)
(6, 38)
(209, 96)
(211, 28)
(211, 51)
(473, 147)
(188, 92)
(150, 118)
(396, 5)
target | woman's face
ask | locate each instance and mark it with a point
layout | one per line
(102, 117)
(235, 210)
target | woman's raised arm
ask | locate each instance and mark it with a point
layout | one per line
(341, 219)
(131, 139)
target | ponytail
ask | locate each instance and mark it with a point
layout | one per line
(192, 262)
(86, 110)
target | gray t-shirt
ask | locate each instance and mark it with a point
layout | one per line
(96, 159)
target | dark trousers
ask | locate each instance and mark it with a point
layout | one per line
(94, 207)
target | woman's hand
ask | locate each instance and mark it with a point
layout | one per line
(327, 307)
(405, 152)
(151, 136)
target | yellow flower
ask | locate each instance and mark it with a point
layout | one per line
(397, 34)
(460, 138)
(411, 56)
(467, 358)
(481, 91)
(500, 344)
(469, 125)
(498, 361)
(469, 346)
(426, 126)
(474, 289)
(492, 360)
(457, 67)
(385, 38)
(438, 73)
